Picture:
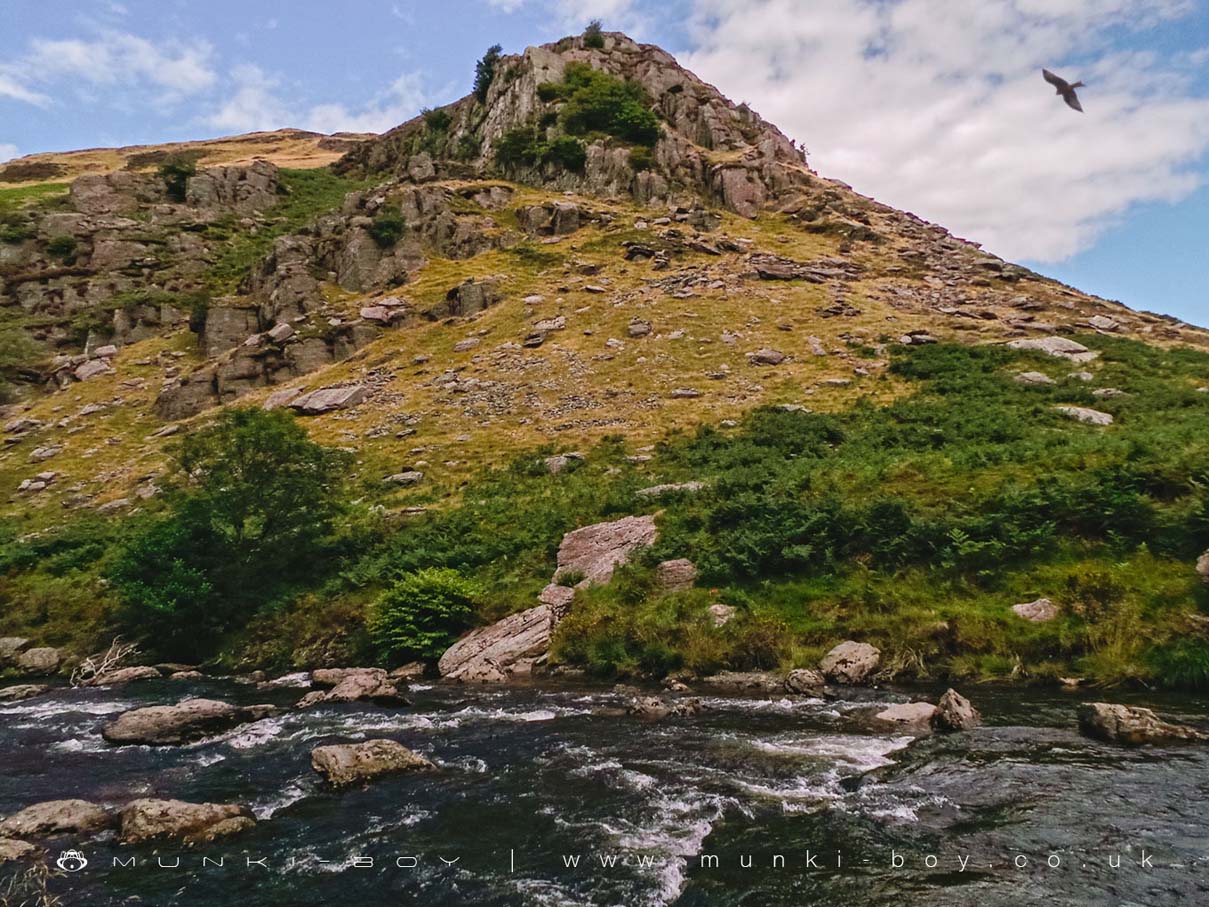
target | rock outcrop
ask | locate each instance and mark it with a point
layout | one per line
(348, 763)
(1133, 726)
(850, 662)
(653, 708)
(507, 648)
(758, 164)
(192, 719)
(42, 660)
(191, 823)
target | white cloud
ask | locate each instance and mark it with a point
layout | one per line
(112, 59)
(7, 152)
(257, 104)
(940, 108)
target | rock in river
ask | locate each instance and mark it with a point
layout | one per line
(186, 721)
(955, 713)
(22, 691)
(1132, 726)
(652, 708)
(12, 849)
(55, 817)
(494, 653)
(910, 713)
(352, 685)
(346, 763)
(804, 680)
(193, 823)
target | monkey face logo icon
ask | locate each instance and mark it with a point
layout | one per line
(71, 861)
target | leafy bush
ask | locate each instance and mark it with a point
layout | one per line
(599, 102)
(250, 516)
(175, 173)
(566, 152)
(593, 36)
(387, 229)
(422, 613)
(524, 147)
(484, 71)
(641, 158)
(15, 229)
(437, 120)
(62, 248)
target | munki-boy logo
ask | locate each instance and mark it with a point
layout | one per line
(71, 861)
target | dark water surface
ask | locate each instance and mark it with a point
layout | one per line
(534, 778)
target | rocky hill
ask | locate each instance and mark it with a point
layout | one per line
(595, 243)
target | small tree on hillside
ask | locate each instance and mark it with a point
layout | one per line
(594, 35)
(484, 71)
(250, 514)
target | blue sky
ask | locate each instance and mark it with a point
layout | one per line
(930, 105)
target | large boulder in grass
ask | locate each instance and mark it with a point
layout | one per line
(1133, 726)
(594, 552)
(955, 713)
(192, 823)
(850, 662)
(192, 719)
(1202, 567)
(348, 763)
(56, 817)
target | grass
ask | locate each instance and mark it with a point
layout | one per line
(15, 198)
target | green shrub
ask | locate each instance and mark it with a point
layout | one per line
(566, 152)
(62, 248)
(593, 36)
(15, 229)
(599, 102)
(517, 147)
(641, 158)
(421, 615)
(437, 120)
(484, 71)
(524, 147)
(467, 148)
(175, 173)
(387, 229)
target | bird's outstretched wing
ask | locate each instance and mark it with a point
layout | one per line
(1057, 81)
(1072, 99)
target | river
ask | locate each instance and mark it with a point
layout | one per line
(546, 796)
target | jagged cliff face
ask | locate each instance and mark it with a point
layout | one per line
(709, 148)
(426, 303)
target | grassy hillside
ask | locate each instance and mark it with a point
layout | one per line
(914, 524)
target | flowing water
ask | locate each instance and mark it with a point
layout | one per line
(547, 796)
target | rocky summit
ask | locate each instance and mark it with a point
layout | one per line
(591, 336)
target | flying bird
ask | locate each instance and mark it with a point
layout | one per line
(1065, 88)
